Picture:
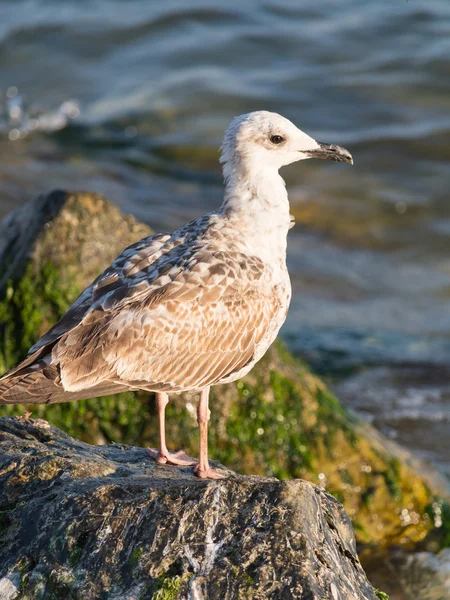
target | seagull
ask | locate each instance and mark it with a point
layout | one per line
(187, 310)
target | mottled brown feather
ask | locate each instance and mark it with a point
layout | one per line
(169, 314)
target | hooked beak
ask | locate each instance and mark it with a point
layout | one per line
(330, 152)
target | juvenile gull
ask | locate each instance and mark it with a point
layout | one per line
(184, 310)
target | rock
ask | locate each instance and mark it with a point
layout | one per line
(418, 575)
(80, 521)
(426, 576)
(280, 420)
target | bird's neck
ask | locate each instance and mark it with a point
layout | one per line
(256, 200)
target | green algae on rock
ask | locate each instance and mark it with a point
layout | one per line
(79, 521)
(280, 420)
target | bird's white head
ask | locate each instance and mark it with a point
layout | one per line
(265, 140)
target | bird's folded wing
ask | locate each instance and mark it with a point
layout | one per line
(120, 275)
(192, 325)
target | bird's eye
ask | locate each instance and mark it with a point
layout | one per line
(277, 139)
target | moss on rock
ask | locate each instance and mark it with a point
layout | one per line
(280, 420)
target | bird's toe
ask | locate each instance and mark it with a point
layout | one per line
(208, 473)
(176, 459)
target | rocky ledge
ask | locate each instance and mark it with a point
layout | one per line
(280, 420)
(80, 521)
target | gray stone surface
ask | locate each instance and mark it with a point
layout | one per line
(86, 522)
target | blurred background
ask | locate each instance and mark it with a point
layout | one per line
(131, 99)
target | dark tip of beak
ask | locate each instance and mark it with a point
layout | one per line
(331, 152)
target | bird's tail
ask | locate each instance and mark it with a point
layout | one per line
(37, 382)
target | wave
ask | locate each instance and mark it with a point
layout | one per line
(18, 118)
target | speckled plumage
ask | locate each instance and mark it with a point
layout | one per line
(174, 312)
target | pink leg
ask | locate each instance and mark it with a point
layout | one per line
(203, 469)
(163, 456)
